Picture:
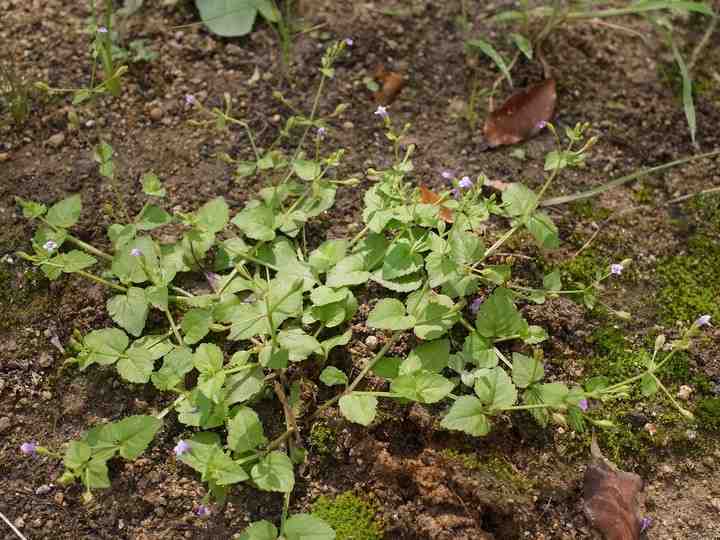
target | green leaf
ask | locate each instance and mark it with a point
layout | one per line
(519, 200)
(389, 314)
(77, 454)
(526, 370)
(479, 351)
(298, 344)
(31, 209)
(136, 365)
(490, 51)
(543, 230)
(274, 358)
(228, 18)
(195, 325)
(400, 261)
(465, 246)
(440, 268)
(552, 281)
(432, 356)
(260, 530)
(467, 415)
(244, 385)
(358, 408)
(407, 283)
(134, 433)
(245, 431)
(129, 310)
(157, 296)
(553, 394)
(152, 185)
(494, 388)
(648, 385)
(307, 170)
(151, 218)
(327, 255)
(688, 103)
(96, 475)
(75, 260)
(335, 341)
(208, 358)
(104, 346)
(498, 317)
(211, 385)
(176, 364)
(274, 473)
(387, 367)
(349, 271)
(436, 318)
(257, 222)
(213, 215)
(65, 213)
(523, 44)
(422, 386)
(307, 527)
(331, 376)
(532, 396)
(323, 295)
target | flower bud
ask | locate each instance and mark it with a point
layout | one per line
(66, 478)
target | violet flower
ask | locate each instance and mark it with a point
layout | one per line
(50, 246)
(704, 320)
(181, 447)
(465, 182)
(381, 111)
(29, 448)
(583, 404)
(616, 269)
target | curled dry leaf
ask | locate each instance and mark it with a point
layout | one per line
(523, 114)
(610, 498)
(430, 197)
(391, 83)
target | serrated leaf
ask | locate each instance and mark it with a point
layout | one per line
(75, 260)
(307, 527)
(298, 344)
(332, 376)
(176, 364)
(432, 356)
(31, 209)
(467, 415)
(519, 200)
(134, 433)
(213, 215)
(400, 261)
(208, 358)
(152, 185)
(526, 370)
(422, 386)
(389, 314)
(65, 213)
(349, 271)
(257, 222)
(327, 255)
(245, 431)
(136, 365)
(306, 169)
(543, 230)
(259, 530)
(274, 472)
(358, 408)
(195, 325)
(151, 218)
(494, 388)
(498, 316)
(129, 310)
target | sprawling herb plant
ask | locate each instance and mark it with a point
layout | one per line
(273, 311)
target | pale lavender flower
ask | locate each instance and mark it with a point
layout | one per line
(465, 182)
(616, 269)
(447, 175)
(645, 523)
(321, 132)
(189, 99)
(704, 320)
(475, 305)
(181, 447)
(540, 125)
(455, 193)
(29, 448)
(102, 30)
(50, 246)
(135, 252)
(349, 42)
(583, 404)
(202, 511)
(381, 111)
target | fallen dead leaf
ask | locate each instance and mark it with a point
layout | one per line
(522, 115)
(610, 498)
(391, 83)
(430, 197)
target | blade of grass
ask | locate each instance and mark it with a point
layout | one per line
(687, 95)
(623, 180)
(490, 51)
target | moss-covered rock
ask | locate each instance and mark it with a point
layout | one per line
(351, 517)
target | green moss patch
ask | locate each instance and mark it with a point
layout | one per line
(351, 517)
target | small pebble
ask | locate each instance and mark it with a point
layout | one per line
(371, 342)
(57, 140)
(42, 490)
(4, 156)
(684, 392)
(650, 428)
(5, 424)
(156, 114)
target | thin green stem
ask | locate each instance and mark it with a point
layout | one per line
(174, 327)
(98, 279)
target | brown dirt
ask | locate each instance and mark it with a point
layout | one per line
(606, 77)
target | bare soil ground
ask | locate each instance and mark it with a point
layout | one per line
(522, 481)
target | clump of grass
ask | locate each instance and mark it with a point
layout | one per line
(351, 517)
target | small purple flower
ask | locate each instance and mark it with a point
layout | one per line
(349, 42)
(455, 193)
(447, 175)
(189, 99)
(321, 132)
(616, 269)
(583, 404)
(381, 111)
(181, 447)
(541, 125)
(703, 320)
(50, 246)
(465, 182)
(475, 305)
(645, 523)
(102, 30)
(202, 511)
(29, 448)
(135, 252)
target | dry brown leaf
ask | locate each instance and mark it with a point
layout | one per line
(610, 497)
(430, 197)
(391, 83)
(522, 115)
